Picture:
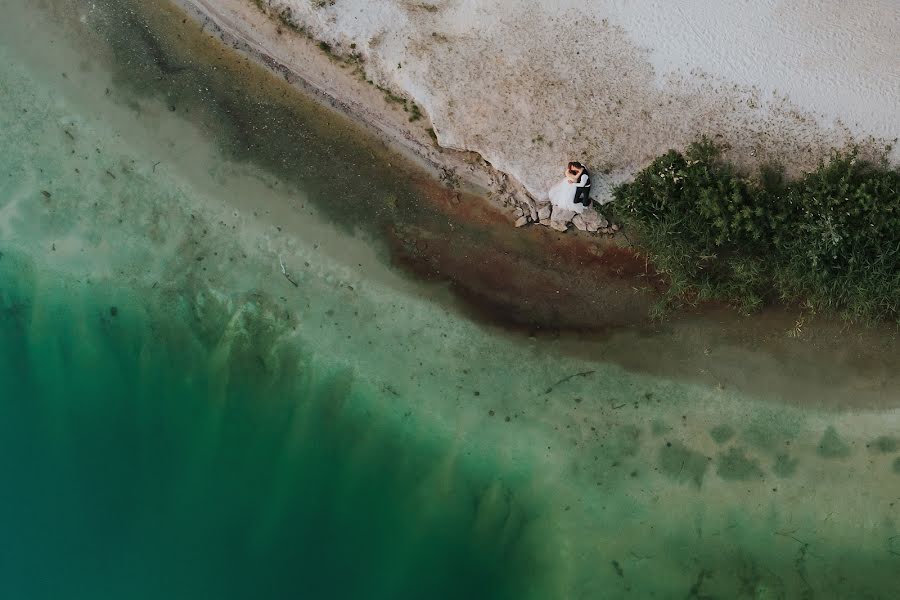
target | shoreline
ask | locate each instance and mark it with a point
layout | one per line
(582, 293)
(279, 50)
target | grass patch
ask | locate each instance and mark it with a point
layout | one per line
(391, 97)
(414, 112)
(829, 240)
(286, 17)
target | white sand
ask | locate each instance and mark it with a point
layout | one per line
(529, 84)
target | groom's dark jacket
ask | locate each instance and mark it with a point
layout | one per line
(583, 191)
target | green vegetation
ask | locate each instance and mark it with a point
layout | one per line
(393, 98)
(415, 113)
(286, 17)
(829, 241)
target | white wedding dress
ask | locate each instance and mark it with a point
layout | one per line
(562, 195)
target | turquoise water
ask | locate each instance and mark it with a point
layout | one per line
(158, 440)
(134, 466)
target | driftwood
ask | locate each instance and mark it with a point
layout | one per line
(285, 273)
(565, 379)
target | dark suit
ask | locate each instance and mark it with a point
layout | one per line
(583, 191)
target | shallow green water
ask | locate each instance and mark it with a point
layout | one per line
(180, 420)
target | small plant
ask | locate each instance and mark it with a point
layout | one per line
(393, 98)
(830, 239)
(286, 16)
(414, 112)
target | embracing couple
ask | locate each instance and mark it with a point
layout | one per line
(574, 192)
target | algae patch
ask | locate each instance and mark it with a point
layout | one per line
(784, 466)
(721, 433)
(832, 446)
(734, 465)
(885, 444)
(682, 464)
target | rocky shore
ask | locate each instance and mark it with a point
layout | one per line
(591, 220)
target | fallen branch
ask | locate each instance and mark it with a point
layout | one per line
(565, 379)
(285, 273)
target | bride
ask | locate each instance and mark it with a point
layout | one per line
(572, 193)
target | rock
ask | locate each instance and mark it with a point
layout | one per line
(544, 212)
(529, 206)
(522, 221)
(579, 223)
(561, 226)
(544, 222)
(593, 220)
(615, 227)
(562, 215)
(518, 211)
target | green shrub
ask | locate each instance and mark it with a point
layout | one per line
(830, 239)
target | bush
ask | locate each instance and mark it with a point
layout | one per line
(830, 239)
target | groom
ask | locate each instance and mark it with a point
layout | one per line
(578, 175)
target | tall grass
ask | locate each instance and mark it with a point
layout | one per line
(830, 240)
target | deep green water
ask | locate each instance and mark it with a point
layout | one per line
(134, 466)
